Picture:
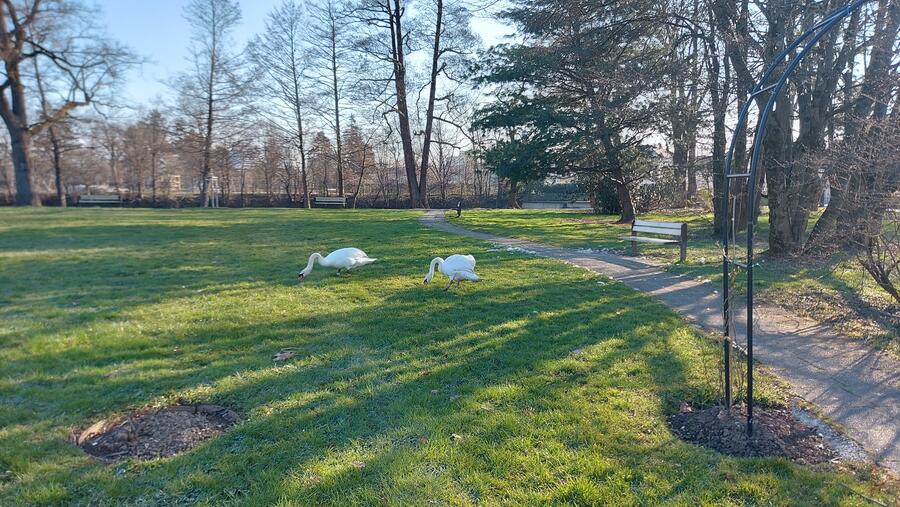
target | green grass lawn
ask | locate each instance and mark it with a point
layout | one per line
(838, 289)
(542, 384)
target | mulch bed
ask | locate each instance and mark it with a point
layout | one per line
(147, 434)
(776, 432)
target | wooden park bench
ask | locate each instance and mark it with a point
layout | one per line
(669, 229)
(330, 201)
(99, 200)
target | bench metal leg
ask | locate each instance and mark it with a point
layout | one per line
(683, 242)
(634, 250)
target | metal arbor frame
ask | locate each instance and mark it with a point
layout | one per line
(805, 43)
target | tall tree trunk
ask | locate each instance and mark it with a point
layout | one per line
(718, 91)
(787, 183)
(140, 181)
(624, 196)
(306, 201)
(692, 177)
(843, 210)
(402, 108)
(206, 170)
(362, 171)
(737, 33)
(20, 151)
(429, 114)
(153, 176)
(617, 175)
(14, 111)
(300, 144)
(243, 186)
(114, 165)
(8, 178)
(680, 162)
(207, 155)
(337, 110)
(55, 145)
(513, 195)
(678, 123)
(56, 152)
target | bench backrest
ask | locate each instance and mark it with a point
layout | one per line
(662, 228)
(331, 199)
(99, 198)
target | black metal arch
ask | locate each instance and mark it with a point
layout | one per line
(805, 43)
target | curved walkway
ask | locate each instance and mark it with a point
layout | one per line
(852, 385)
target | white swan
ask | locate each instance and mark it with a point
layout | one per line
(344, 258)
(456, 268)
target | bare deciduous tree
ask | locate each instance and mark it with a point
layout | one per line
(388, 35)
(384, 40)
(207, 91)
(145, 142)
(108, 135)
(81, 63)
(278, 55)
(327, 50)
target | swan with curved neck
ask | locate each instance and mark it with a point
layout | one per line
(456, 267)
(343, 259)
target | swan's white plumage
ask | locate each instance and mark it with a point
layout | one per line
(456, 268)
(343, 258)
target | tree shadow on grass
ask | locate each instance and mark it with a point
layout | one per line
(373, 410)
(375, 372)
(542, 382)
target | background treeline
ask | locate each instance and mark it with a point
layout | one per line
(391, 102)
(364, 99)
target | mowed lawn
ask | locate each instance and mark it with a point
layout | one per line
(542, 384)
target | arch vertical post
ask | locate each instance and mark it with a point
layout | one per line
(805, 42)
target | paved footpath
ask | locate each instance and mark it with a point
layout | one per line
(851, 384)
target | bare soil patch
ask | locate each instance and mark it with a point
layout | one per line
(776, 432)
(147, 434)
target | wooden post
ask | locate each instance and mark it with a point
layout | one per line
(684, 237)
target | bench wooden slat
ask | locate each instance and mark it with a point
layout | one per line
(644, 239)
(330, 201)
(662, 225)
(672, 229)
(99, 199)
(657, 230)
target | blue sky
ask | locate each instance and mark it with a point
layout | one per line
(156, 30)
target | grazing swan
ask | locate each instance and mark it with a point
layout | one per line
(345, 258)
(455, 267)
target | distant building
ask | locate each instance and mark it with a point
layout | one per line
(172, 184)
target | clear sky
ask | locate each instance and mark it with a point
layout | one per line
(156, 30)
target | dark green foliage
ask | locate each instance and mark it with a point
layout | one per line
(581, 89)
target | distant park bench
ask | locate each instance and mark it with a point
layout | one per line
(99, 200)
(669, 229)
(555, 204)
(330, 201)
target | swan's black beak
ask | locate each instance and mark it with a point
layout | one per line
(424, 281)
(300, 277)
